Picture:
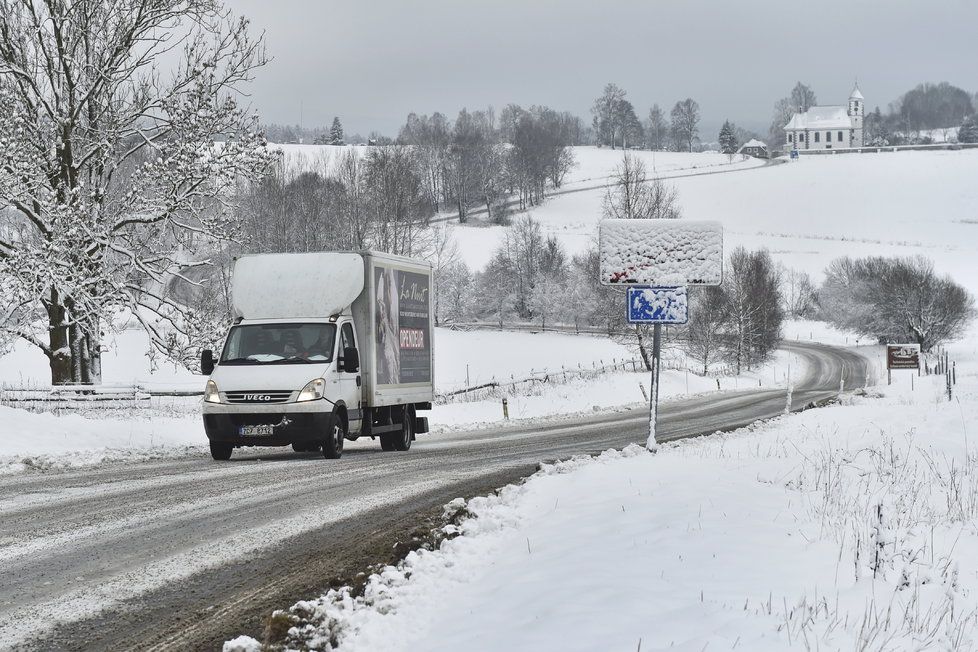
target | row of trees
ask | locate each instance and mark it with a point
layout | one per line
(615, 123)
(530, 277)
(479, 160)
(320, 135)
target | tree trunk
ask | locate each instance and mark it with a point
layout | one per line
(94, 345)
(60, 356)
(643, 348)
(76, 346)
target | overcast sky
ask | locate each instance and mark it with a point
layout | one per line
(371, 62)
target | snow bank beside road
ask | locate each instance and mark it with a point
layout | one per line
(167, 426)
(43, 441)
(850, 527)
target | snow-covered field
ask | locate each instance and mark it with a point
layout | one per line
(850, 527)
(808, 211)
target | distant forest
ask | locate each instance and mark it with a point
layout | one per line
(912, 118)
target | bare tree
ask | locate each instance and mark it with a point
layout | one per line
(685, 123)
(445, 260)
(110, 165)
(803, 97)
(656, 129)
(799, 293)
(896, 299)
(783, 110)
(633, 195)
(608, 115)
(398, 208)
(751, 286)
(706, 332)
(429, 138)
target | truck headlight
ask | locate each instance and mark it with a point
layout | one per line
(211, 395)
(312, 391)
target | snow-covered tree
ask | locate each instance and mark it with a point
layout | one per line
(728, 138)
(110, 177)
(336, 132)
(968, 132)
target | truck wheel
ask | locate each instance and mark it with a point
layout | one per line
(333, 444)
(221, 451)
(399, 441)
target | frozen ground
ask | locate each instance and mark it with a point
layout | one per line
(850, 527)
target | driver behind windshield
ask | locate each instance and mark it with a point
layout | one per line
(322, 347)
(290, 344)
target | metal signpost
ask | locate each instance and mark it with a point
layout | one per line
(659, 258)
(901, 356)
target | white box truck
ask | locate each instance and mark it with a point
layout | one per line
(324, 347)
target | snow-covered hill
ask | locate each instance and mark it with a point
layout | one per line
(806, 212)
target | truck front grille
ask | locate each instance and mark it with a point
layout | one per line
(261, 397)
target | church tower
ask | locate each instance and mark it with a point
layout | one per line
(856, 111)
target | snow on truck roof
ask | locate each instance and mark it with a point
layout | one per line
(292, 286)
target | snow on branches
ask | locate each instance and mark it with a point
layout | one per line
(115, 173)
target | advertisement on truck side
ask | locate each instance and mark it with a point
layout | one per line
(403, 326)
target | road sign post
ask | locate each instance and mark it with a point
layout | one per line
(659, 258)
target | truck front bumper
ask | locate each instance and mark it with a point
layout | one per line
(292, 423)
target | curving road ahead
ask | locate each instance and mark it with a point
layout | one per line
(184, 553)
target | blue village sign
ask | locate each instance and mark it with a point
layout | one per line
(657, 305)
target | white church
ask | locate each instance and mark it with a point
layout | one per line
(828, 127)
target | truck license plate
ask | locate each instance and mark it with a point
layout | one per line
(253, 431)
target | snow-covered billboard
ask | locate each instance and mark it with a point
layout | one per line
(403, 326)
(657, 305)
(661, 252)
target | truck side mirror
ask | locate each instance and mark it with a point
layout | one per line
(351, 359)
(207, 362)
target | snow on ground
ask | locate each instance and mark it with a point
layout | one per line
(597, 164)
(849, 527)
(168, 425)
(573, 216)
(808, 211)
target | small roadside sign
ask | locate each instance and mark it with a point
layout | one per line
(903, 356)
(657, 305)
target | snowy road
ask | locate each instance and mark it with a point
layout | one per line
(181, 554)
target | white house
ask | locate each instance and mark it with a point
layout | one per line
(828, 127)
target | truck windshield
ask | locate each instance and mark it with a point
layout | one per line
(279, 344)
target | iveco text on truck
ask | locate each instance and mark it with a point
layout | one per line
(324, 347)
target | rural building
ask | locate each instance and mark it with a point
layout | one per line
(828, 127)
(753, 147)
